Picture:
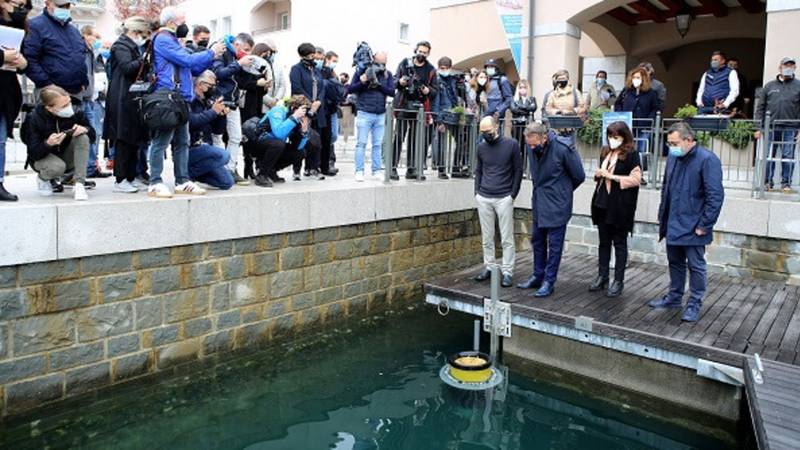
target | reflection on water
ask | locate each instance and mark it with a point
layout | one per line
(374, 386)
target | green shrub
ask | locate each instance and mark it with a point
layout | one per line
(686, 111)
(591, 132)
(738, 134)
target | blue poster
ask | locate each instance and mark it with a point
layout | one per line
(611, 117)
(513, 22)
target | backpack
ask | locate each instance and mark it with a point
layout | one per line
(253, 128)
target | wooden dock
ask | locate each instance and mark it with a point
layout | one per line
(773, 404)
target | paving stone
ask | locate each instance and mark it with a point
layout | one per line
(166, 279)
(186, 305)
(263, 263)
(234, 267)
(104, 321)
(286, 283)
(220, 297)
(245, 246)
(131, 366)
(163, 335)
(88, 378)
(252, 314)
(118, 287)
(149, 259)
(299, 238)
(187, 253)
(21, 368)
(12, 303)
(103, 264)
(178, 353)
(149, 312)
(76, 356)
(279, 307)
(326, 235)
(123, 345)
(229, 319)
(220, 249)
(218, 342)
(197, 327)
(292, 258)
(249, 290)
(201, 274)
(8, 277)
(251, 335)
(48, 271)
(41, 333)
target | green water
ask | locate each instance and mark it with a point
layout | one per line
(373, 386)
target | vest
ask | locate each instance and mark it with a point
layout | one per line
(717, 85)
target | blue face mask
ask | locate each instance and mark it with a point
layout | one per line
(676, 151)
(105, 54)
(270, 58)
(600, 82)
(319, 63)
(61, 14)
(714, 65)
(96, 45)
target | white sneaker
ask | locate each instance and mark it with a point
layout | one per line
(159, 190)
(80, 192)
(189, 188)
(44, 188)
(378, 176)
(125, 187)
(359, 176)
(140, 183)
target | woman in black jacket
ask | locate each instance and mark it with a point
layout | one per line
(614, 204)
(255, 87)
(639, 98)
(523, 107)
(14, 16)
(123, 127)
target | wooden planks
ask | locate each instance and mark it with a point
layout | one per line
(773, 405)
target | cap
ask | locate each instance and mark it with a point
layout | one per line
(61, 2)
(491, 62)
(788, 60)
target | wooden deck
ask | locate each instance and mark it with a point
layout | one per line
(773, 405)
(740, 316)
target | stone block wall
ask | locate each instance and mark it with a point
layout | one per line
(71, 326)
(734, 254)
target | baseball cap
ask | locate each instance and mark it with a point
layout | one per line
(62, 2)
(788, 60)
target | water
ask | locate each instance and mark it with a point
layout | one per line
(373, 386)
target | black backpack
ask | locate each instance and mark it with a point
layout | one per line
(253, 129)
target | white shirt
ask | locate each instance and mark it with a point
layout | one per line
(733, 81)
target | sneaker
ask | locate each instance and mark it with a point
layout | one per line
(189, 188)
(296, 177)
(98, 174)
(787, 190)
(238, 179)
(307, 173)
(88, 184)
(44, 187)
(263, 181)
(125, 187)
(56, 186)
(159, 190)
(140, 183)
(80, 193)
(318, 175)
(378, 176)
(359, 176)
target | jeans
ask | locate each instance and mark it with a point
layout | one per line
(94, 112)
(548, 245)
(234, 119)
(179, 138)
(369, 124)
(74, 158)
(678, 257)
(504, 209)
(643, 147)
(3, 140)
(207, 164)
(785, 140)
(610, 234)
(141, 163)
(334, 128)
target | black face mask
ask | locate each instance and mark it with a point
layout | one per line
(203, 43)
(562, 84)
(421, 58)
(211, 94)
(489, 136)
(19, 15)
(182, 31)
(308, 62)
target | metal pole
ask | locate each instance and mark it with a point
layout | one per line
(494, 344)
(476, 336)
(421, 141)
(657, 144)
(388, 144)
(531, 20)
(473, 143)
(764, 159)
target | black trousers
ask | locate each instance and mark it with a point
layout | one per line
(274, 155)
(407, 127)
(126, 160)
(311, 155)
(324, 158)
(612, 235)
(460, 150)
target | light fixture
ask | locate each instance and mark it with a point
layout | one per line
(683, 20)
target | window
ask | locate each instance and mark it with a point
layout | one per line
(226, 26)
(285, 23)
(214, 29)
(404, 32)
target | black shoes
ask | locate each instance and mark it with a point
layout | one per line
(598, 284)
(483, 276)
(443, 175)
(412, 175)
(318, 175)
(296, 177)
(331, 172)
(6, 196)
(531, 283)
(506, 283)
(615, 289)
(275, 178)
(393, 175)
(99, 174)
(263, 181)
(546, 290)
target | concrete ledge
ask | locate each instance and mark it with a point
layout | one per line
(29, 234)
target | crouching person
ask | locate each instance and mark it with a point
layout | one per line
(207, 163)
(281, 139)
(58, 139)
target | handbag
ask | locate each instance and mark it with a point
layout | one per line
(165, 109)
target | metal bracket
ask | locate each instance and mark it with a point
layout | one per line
(503, 317)
(584, 323)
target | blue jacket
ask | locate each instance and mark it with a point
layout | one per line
(691, 198)
(368, 99)
(555, 173)
(169, 54)
(302, 80)
(56, 54)
(717, 85)
(227, 70)
(643, 106)
(204, 122)
(499, 97)
(447, 98)
(282, 125)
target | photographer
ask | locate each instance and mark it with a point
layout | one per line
(499, 93)
(306, 79)
(449, 84)
(415, 84)
(229, 69)
(371, 86)
(283, 135)
(207, 163)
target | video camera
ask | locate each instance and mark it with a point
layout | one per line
(364, 60)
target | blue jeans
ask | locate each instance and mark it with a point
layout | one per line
(3, 140)
(207, 164)
(334, 128)
(366, 124)
(94, 112)
(678, 256)
(548, 245)
(785, 140)
(179, 138)
(643, 147)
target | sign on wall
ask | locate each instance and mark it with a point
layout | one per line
(511, 18)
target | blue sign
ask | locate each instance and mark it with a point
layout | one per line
(611, 117)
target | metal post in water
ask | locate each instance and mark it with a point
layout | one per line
(494, 343)
(388, 145)
(476, 336)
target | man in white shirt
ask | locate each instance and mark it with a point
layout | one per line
(719, 86)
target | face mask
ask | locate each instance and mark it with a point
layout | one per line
(561, 83)
(481, 81)
(714, 65)
(19, 14)
(444, 73)
(787, 72)
(61, 14)
(538, 148)
(203, 43)
(421, 58)
(332, 66)
(105, 54)
(380, 68)
(318, 64)
(490, 71)
(308, 62)
(489, 136)
(66, 113)
(211, 92)
(636, 82)
(676, 151)
(600, 82)
(182, 31)
(96, 45)
(270, 58)
(140, 41)
(614, 143)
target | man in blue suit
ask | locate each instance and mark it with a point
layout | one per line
(556, 171)
(691, 200)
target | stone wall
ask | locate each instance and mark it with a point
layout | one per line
(734, 254)
(71, 326)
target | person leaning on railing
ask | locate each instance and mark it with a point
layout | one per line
(642, 101)
(614, 204)
(781, 97)
(565, 100)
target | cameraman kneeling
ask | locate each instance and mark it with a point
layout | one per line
(284, 134)
(207, 163)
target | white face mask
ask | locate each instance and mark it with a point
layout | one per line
(481, 81)
(615, 143)
(490, 71)
(636, 82)
(66, 113)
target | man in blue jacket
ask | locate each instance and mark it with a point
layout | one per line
(306, 79)
(55, 50)
(371, 112)
(556, 171)
(207, 116)
(447, 99)
(171, 62)
(691, 200)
